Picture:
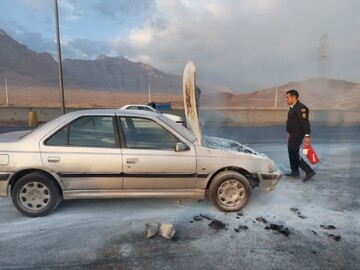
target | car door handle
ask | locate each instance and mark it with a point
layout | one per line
(53, 159)
(132, 161)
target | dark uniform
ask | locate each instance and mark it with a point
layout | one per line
(297, 125)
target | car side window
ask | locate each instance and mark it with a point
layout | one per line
(144, 133)
(90, 131)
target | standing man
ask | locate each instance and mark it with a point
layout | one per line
(298, 129)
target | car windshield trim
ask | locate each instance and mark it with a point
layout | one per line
(178, 128)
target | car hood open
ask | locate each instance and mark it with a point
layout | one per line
(190, 98)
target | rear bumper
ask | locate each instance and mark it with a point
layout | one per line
(4, 183)
(268, 181)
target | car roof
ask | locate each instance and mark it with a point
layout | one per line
(139, 105)
(121, 112)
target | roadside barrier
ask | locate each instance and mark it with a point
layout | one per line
(32, 119)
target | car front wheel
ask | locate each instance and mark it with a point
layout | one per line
(229, 191)
(35, 195)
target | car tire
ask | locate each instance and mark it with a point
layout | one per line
(36, 194)
(229, 191)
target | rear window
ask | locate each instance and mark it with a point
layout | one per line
(89, 131)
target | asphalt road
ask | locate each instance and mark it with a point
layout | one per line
(312, 225)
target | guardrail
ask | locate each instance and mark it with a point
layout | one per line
(216, 116)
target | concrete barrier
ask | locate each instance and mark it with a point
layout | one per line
(277, 116)
(227, 117)
(21, 114)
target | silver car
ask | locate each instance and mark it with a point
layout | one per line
(126, 154)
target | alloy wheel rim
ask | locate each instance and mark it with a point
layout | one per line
(231, 193)
(34, 196)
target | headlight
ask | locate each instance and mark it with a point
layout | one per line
(272, 166)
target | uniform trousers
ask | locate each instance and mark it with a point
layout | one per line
(296, 161)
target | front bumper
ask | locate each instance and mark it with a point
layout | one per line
(268, 181)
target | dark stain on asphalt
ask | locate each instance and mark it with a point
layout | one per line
(328, 227)
(238, 215)
(217, 225)
(278, 228)
(241, 227)
(297, 212)
(201, 217)
(330, 235)
(334, 237)
(262, 220)
(197, 218)
(206, 217)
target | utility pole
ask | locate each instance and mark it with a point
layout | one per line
(149, 93)
(322, 54)
(6, 92)
(61, 81)
(276, 97)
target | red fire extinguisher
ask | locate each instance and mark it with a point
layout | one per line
(310, 153)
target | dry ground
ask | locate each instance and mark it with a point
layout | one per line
(49, 96)
(79, 98)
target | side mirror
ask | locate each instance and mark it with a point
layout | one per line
(180, 147)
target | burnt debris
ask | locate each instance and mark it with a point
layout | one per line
(333, 236)
(278, 228)
(328, 227)
(217, 225)
(240, 228)
(262, 220)
(297, 212)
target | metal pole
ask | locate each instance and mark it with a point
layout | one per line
(276, 97)
(61, 84)
(7, 93)
(149, 93)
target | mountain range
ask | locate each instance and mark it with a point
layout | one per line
(27, 69)
(23, 67)
(316, 93)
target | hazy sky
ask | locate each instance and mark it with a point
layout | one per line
(242, 44)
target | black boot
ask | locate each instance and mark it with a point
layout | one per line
(309, 175)
(293, 175)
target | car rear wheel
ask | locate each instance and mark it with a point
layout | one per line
(229, 191)
(35, 195)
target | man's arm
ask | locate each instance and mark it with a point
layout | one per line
(304, 120)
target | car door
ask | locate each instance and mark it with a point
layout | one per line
(149, 157)
(86, 154)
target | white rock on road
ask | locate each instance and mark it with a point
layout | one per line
(152, 229)
(167, 231)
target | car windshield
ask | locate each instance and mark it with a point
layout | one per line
(227, 145)
(178, 128)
